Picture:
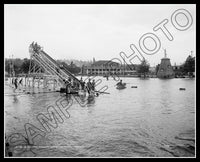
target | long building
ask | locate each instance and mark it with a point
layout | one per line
(107, 67)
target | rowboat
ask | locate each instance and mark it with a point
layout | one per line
(121, 86)
(133, 86)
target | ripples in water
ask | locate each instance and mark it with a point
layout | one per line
(153, 120)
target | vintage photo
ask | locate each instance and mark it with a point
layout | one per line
(99, 80)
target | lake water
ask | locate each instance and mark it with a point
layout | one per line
(156, 119)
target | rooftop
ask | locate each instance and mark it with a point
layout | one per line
(105, 62)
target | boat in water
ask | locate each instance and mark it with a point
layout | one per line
(121, 86)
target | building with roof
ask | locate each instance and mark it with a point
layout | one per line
(108, 67)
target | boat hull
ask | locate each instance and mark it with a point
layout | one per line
(123, 86)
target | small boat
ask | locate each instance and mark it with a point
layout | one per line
(133, 86)
(121, 86)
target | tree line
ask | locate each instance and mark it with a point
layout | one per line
(21, 66)
(187, 68)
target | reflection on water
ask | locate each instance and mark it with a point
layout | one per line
(154, 119)
(15, 99)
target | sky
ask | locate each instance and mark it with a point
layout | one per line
(97, 31)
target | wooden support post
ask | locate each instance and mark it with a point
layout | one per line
(44, 82)
(33, 82)
(29, 82)
(25, 81)
(38, 82)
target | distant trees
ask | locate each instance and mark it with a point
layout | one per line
(16, 63)
(22, 66)
(157, 68)
(189, 65)
(7, 65)
(71, 67)
(25, 65)
(143, 68)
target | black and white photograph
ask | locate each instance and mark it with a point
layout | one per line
(100, 80)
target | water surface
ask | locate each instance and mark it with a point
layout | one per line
(155, 119)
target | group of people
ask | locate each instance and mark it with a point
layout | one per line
(79, 85)
(16, 83)
(35, 46)
(90, 86)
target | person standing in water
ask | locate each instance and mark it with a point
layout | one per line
(89, 86)
(82, 84)
(68, 86)
(15, 83)
(13, 80)
(20, 82)
(93, 85)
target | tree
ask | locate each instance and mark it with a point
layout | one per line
(13, 63)
(143, 68)
(25, 65)
(71, 68)
(157, 68)
(17, 65)
(189, 65)
(7, 65)
(22, 66)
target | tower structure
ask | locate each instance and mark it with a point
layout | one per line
(93, 60)
(165, 70)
